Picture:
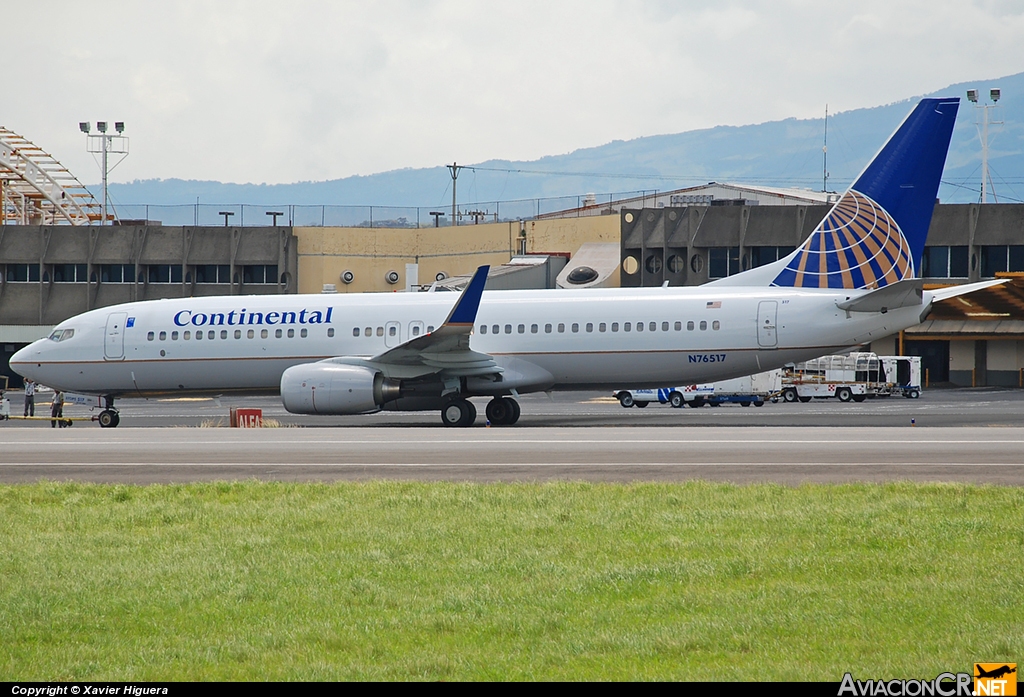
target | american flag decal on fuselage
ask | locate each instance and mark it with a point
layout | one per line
(857, 245)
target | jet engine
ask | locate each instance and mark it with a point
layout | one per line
(335, 388)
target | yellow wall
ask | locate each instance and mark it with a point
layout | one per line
(325, 252)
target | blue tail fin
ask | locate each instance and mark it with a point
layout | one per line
(875, 234)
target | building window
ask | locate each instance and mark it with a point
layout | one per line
(164, 273)
(759, 256)
(213, 273)
(1001, 258)
(259, 273)
(22, 273)
(945, 262)
(70, 273)
(723, 261)
(117, 273)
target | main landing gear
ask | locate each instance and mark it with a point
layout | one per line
(109, 417)
(501, 411)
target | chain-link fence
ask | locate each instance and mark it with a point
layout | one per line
(252, 215)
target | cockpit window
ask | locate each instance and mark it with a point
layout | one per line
(62, 334)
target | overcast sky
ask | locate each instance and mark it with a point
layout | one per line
(278, 92)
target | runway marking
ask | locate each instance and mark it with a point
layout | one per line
(519, 441)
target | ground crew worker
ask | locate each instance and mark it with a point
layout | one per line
(57, 410)
(30, 398)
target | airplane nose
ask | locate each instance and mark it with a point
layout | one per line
(21, 361)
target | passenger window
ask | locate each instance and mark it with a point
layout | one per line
(534, 328)
(330, 332)
(174, 336)
(689, 326)
(186, 336)
(392, 331)
(679, 326)
(575, 328)
(561, 328)
(703, 325)
(521, 328)
(199, 335)
(430, 328)
(615, 326)
(291, 333)
(664, 326)
(304, 333)
(251, 334)
(264, 333)
(495, 329)
(483, 328)
(716, 325)
(416, 330)
(211, 335)
(627, 326)
(653, 326)
(547, 328)
(508, 328)
(355, 331)
(238, 333)
(163, 336)
(639, 326)
(602, 327)
(277, 333)
(380, 331)
(590, 327)
(368, 331)
(150, 336)
(223, 333)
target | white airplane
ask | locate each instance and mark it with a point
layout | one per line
(852, 281)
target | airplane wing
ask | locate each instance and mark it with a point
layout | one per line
(444, 350)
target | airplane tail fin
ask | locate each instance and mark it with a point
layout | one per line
(875, 233)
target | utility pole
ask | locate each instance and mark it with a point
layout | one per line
(454, 169)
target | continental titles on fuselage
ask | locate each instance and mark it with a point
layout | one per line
(186, 318)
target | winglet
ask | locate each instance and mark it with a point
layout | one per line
(464, 312)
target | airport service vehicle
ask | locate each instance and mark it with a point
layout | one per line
(747, 390)
(854, 377)
(853, 280)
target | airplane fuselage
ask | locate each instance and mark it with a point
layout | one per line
(546, 339)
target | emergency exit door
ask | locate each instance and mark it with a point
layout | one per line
(767, 316)
(113, 347)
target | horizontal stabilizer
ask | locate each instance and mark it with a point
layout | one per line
(900, 294)
(955, 291)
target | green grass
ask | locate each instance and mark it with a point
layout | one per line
(393, 580)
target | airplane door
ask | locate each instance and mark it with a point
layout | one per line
(415, 329)
(767, 316)
(113, 346)
(392, 334)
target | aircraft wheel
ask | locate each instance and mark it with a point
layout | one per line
(641, 405)
(458, 412)
(501, 411)
(843, 394)
(109, 419)
(516, 411)
(626, 400)
(676, 400)
(789, 395)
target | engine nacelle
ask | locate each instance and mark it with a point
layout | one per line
(334, 388)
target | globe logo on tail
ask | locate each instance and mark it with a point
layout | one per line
(857, 245)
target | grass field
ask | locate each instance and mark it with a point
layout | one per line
(392, 580)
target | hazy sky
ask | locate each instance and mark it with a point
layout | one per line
(277, 92)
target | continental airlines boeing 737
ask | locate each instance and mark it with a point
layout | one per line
(852, 281)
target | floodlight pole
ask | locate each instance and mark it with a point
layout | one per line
(986, 177)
